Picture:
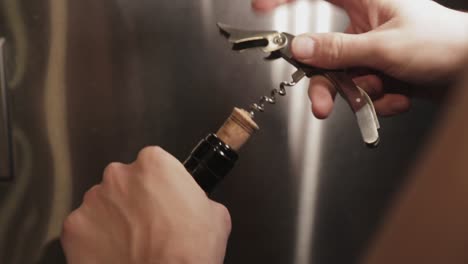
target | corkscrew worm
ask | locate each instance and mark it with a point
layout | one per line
(260, 105)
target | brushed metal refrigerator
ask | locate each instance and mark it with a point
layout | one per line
(93, 81)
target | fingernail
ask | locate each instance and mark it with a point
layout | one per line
(303, 47)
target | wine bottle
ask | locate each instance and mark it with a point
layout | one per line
(216, 154)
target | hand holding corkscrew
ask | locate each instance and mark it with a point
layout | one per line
(216, 154)
(279, 46)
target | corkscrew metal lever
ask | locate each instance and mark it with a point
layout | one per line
(278, 44)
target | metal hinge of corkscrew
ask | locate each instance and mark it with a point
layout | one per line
(278, 44)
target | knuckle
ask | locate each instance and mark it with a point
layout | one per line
(155, 164)
(150, 162)
(69, 224)
(151, 154)
(70, 227)
(334, 51)
(380, 50)
(112, 172)
(154, 158)
(91, 195)
(224, 216)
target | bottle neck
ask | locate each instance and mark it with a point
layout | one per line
(210, 161)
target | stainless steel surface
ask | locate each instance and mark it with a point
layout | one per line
(6, 154)
(94, 81)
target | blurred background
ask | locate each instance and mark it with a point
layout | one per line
(89, 82)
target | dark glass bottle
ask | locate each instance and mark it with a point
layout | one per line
(216, 154)
(210, 161)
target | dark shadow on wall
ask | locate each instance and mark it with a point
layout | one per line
(53, 253)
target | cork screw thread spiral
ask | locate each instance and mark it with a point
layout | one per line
(271, 99)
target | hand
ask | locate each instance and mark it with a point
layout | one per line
(417, 41)
(151, 211)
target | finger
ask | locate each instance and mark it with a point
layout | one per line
(155, 157)
(114, 169)
(222, 213)
(322, 95)
(92, 195)
(372, 84)
(392, 104)
(267, 5)
(115, 178)
(339, 3)
(336, 50)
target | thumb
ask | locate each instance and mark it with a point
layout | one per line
(335, 50)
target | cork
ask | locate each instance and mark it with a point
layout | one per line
(237, 129)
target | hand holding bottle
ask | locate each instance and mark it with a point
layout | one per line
(150, 211)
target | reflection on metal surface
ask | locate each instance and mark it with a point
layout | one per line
(323, 15)
(206, 15)
(27, 227)
(20, 40)
(17, 194)
(6, 155)
(56, 118)
(306, 136)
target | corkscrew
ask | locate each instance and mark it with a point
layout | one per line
(278, 44)
(260, 105)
